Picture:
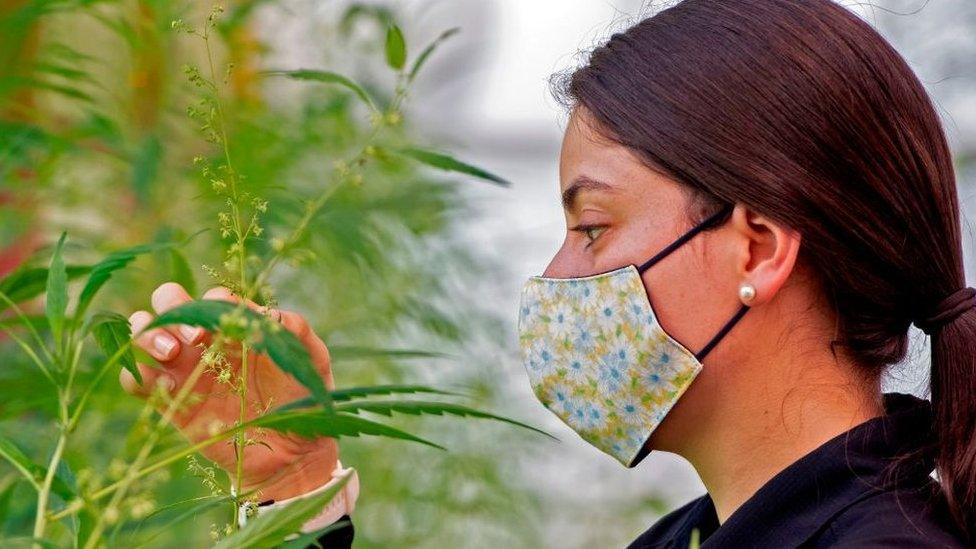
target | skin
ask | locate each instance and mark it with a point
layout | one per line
(769, 393)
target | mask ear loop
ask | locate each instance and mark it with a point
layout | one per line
(708, 222)
(700, 355)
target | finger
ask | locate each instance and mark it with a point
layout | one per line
(151, 377)
(317, 350)
(220, 293)
(178, 362)
(169, 295)
(159, 343)
(223, 294)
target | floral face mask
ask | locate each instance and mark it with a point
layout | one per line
(598, 358)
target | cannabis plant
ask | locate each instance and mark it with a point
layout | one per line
(98, 507)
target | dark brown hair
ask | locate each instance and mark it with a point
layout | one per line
(801, 110)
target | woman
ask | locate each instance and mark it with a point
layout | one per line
(764, 183)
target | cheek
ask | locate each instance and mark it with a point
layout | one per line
(687, 298)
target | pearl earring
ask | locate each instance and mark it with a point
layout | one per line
(747, 292)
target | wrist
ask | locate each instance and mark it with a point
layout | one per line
(344, 487)
(303, 474)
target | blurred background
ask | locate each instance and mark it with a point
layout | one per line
(95, 141)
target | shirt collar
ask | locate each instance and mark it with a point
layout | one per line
(793, 505)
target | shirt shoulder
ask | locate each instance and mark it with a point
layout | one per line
(893, 518)
(673, 526)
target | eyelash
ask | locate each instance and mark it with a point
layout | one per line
(585, 230)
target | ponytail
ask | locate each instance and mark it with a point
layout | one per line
(953, 384)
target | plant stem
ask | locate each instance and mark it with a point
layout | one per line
(241, 249)
(241, 437)
(40, 518)
(64, 397)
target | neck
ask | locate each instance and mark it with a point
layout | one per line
(757, 429)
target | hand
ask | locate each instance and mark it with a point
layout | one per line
(279, 465)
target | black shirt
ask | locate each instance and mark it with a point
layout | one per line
(338, 537)
(849, 492)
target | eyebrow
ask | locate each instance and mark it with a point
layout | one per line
(583, 183)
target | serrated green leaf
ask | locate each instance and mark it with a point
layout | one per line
(358, 392)
(61, 51)
(11, 83)
(69, 484)
(396, 47)
(448, 163)
(352, 352)
(327, 77)
(5, 496)
(270, 528)
(57, 292)
(200, 505)
(292, 357)
(287, 352)
(420, 407)
(39, 322)
(204, 313)
(102, 271)
(29, 282)
(422, 58)
(112, 332)
(323, 423)
(63, 71)
(182, 274)
(31, 471)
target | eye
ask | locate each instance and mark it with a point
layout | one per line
(591, 231)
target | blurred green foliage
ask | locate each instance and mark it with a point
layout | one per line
(94, 140)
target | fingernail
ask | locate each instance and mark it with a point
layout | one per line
(138, 321)
(164, 345)
(167, 383)
(189, 333)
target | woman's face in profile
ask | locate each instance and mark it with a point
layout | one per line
(620, 212)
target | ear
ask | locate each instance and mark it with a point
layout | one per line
(767, 251)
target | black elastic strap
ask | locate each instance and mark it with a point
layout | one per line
(700, 355)
(711, 220)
